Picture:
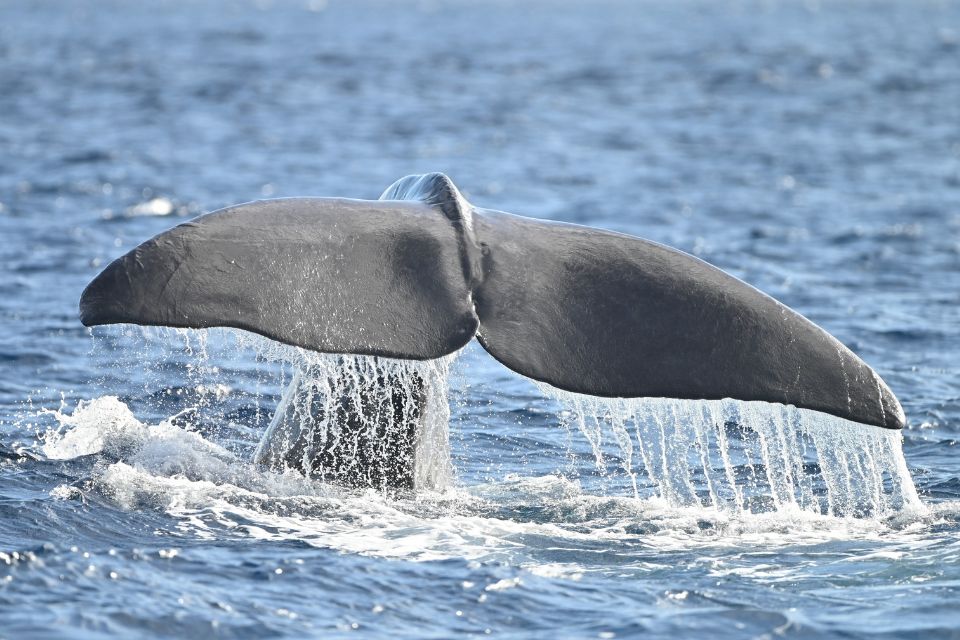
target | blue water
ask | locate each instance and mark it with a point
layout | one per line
(812, 149)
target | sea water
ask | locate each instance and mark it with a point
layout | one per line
(807, 147)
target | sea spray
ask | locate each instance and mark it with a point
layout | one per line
(746, 456)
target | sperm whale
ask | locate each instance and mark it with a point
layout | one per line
(419, 273)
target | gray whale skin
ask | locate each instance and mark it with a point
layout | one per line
(420, 272)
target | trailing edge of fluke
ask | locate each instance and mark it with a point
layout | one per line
(420, 272)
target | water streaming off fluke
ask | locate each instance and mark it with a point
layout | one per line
(363, 421)
(360, 421)
(746, 456)
(732, 456)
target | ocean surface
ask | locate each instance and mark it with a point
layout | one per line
(810, 148)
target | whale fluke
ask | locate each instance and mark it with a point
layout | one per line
(418, 273)
(379, 278)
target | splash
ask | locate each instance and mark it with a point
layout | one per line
(136, 457)
(106, 426)
(746, 456)
(216, 494)
(354, 420)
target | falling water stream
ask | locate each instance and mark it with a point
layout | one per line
(730, 456)
(745, 456)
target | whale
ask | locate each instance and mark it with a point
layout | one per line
(421, 272)
(359, 428)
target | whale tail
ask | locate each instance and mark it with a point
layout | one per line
(420, 272)
(356, 430)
